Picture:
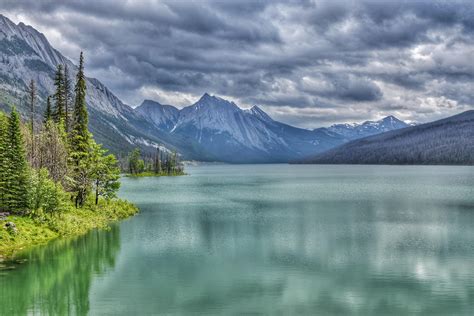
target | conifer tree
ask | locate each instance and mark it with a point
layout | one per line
(67, 98)
(16, 195)
(58, 96)
(48, 114)
(31, 139)
(3, 161)
(136, 165)
(80, 138)
(105, 173)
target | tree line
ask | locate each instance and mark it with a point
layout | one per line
(160, 163)
(49, 165)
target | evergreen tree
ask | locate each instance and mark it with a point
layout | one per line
(134, 161)
(16, 193)
(67, 98)
(58, 96)
(105, 173)
(3, 160)
(45, 195)
(80, 138)
(48, 114)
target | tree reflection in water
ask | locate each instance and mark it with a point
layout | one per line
(57, 277)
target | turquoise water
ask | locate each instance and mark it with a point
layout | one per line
(267, 239)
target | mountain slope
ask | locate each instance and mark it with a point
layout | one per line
(368, 128)
(216, 129)
(212, 129)
(447, 141)
(163, 116)
(26, 54)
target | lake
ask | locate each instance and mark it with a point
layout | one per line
(267, 239)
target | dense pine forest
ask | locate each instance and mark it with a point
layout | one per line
(54, 178)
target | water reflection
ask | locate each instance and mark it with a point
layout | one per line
(269, 240)
(56, 279)
(271, 245)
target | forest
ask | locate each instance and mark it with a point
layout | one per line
(54, 178)
(449, 141)
(161, 163)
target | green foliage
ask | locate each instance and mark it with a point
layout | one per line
(57, 172)
(14, 167)
(46, 195)
(162, 164)
(67, 98)
(41, 228)
(105, 173)
(135, 163)
(80, 139)
(48, 113)
(80, 132)
(59, 112)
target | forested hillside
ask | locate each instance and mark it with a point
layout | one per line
(54, 178)
(447, 141)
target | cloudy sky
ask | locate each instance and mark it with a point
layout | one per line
(307, 63)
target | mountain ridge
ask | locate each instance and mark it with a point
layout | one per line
(446, 141)
(26, 54)
(219, 124)
(211, 129)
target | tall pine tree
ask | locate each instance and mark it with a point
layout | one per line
(59, 113)
(48, 113)
(67, 98)
(80, 138)
(3, 160)
(16, 193)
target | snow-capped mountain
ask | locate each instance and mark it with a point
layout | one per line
(353, 130)
(26, 54)
(210, 129)
(225, 132)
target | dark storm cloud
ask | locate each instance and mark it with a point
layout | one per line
(307, 62)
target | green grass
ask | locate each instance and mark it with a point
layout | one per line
(41, 229)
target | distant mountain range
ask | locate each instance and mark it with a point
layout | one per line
(447, 141)
(225, 132)
(212, 129)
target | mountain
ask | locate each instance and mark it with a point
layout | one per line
(447, 141)
(162, 116)
(26, 54)
(212, 129)
(216, 129)
(368, 128)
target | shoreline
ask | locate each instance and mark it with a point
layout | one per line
(152, 174)
(32, 232)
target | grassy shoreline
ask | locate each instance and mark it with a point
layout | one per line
(37, 230)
